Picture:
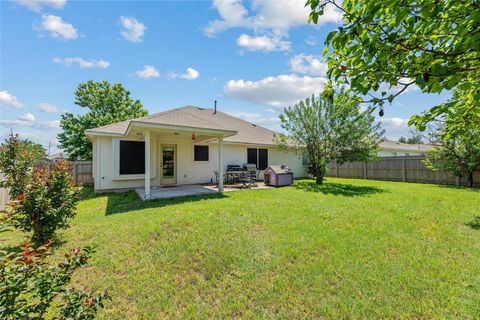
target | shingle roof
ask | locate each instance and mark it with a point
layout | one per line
(395, 145)
(203, 118)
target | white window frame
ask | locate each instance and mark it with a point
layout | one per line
(116, 160)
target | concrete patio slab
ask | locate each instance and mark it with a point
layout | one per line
(176, 191)
(190, 190)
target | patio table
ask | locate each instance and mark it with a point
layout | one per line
(240, 178)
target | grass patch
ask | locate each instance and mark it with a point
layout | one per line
(351, 249)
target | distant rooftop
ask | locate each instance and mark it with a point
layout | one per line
(396, 146)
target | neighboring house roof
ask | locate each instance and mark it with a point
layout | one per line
(398, 146)
(202, 118)
(56, 156)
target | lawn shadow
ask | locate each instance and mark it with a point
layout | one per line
(465, 188)
(130, 201)
(87, 193)
(339, 189)
(475, 223)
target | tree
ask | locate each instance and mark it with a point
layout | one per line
(431, 44)
(415, 138)
(330, 128)
(461, 112)
(107, 104)
(457, 143)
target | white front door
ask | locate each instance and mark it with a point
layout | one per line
(168, 164)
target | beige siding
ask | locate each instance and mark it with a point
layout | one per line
(188, 171)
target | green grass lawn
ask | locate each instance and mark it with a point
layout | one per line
(350, 249)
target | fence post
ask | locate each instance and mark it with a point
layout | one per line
(457, 181)
(404, 169)
(336, 169)
(365, 170)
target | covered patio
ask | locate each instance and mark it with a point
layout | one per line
(153, 133)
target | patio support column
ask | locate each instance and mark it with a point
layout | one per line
(220, 164)
(147, 164)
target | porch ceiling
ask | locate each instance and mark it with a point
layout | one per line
(155, 127)
(176, 136)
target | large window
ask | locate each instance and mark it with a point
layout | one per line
(259, 157)
(262, 159)
(200, 153)
(252, 156)
(132, 157)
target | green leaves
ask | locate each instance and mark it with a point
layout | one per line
(107, 104)
(330, 128)
(32, 288)
(434, 42)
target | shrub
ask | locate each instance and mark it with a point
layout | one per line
(16, 164)
(47, 204)
(31, 288)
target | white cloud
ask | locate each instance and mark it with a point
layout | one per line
(7, 99)
(27, 117)
(395, 89)
(32, 124)
(47, 108)
(233, 14)
(82, 63)
(147, 72)
(395, 127)
(276, 16)
(255, 118)
(263, 43)
(275, 91)
(57, 28)
(308, 64)
(37, 5)
(133, 30)
(395, 122)
(190, 74)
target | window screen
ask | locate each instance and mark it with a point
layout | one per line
(132, 157)
(201, 153)
(262, 159)
(252, 156)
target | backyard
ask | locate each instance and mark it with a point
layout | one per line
(347, 249)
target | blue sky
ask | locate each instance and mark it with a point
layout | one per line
(253, 57)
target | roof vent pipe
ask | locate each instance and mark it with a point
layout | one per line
(215, 108)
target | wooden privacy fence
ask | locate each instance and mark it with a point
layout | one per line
(408, 169)
(81, 172)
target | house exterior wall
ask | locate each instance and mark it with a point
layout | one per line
(188, 171)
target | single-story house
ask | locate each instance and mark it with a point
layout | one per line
(181, 146)
(390, 148)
